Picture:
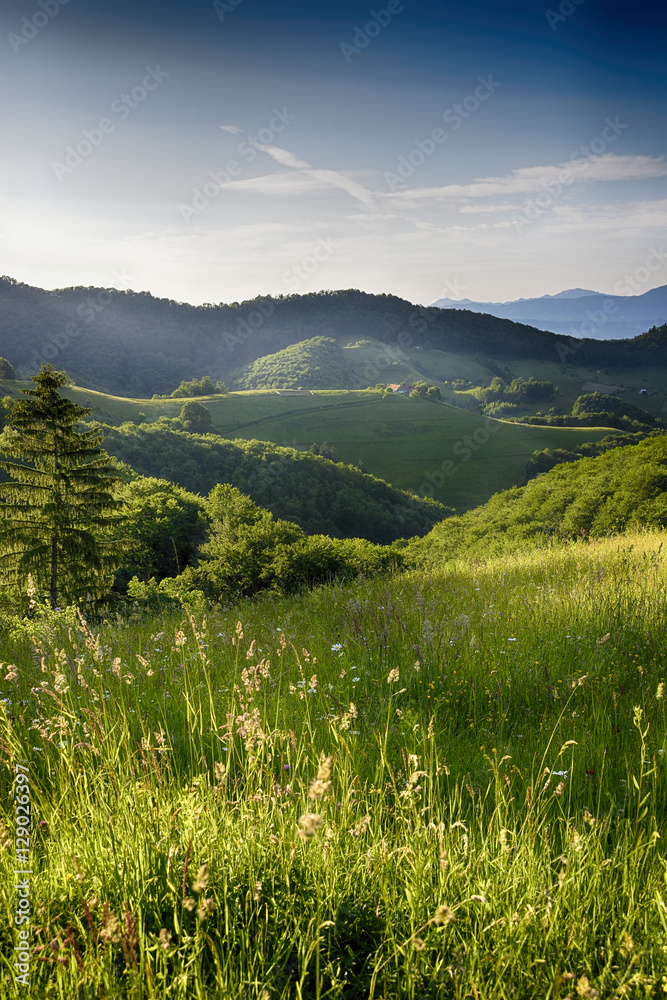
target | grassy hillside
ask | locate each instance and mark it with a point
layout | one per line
(322, 497)
(443, 785)
(624, 488)
(415, 444)
(407, 442)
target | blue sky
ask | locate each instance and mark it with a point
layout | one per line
(210, 152)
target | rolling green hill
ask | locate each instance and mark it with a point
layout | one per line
(624, 489)
(131, 343)
(322, 497)
(405, 441)
(318, 363)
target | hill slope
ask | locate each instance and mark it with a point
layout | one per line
(131, 343)
(318, 363)
(624, 488)
(322, 497)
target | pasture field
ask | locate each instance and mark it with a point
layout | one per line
(434, 785)
(458, 457)
(445, 451)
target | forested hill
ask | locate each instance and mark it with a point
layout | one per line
(322, 497)
(625, 488)
(131, 343)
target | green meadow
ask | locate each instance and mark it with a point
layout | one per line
(449, 783)
(402, 440)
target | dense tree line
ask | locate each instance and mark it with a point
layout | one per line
(599, 409)
(132, 343)
(543, 460)
(318, 495)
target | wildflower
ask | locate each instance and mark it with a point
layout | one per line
(393, 676)
(309, 824)
(336, 646)
(444, 916)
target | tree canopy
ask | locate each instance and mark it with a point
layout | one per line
(57, 508)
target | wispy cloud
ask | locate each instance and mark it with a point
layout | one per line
(529, 180)
(302, 180)
(284, 157)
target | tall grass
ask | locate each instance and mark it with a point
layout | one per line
(444, 785)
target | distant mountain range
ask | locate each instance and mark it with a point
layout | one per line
(578, 312)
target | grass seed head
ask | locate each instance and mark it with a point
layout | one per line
(309, 824)
(201, 881)
(443, 916)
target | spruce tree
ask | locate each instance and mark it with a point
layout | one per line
(56, 511)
